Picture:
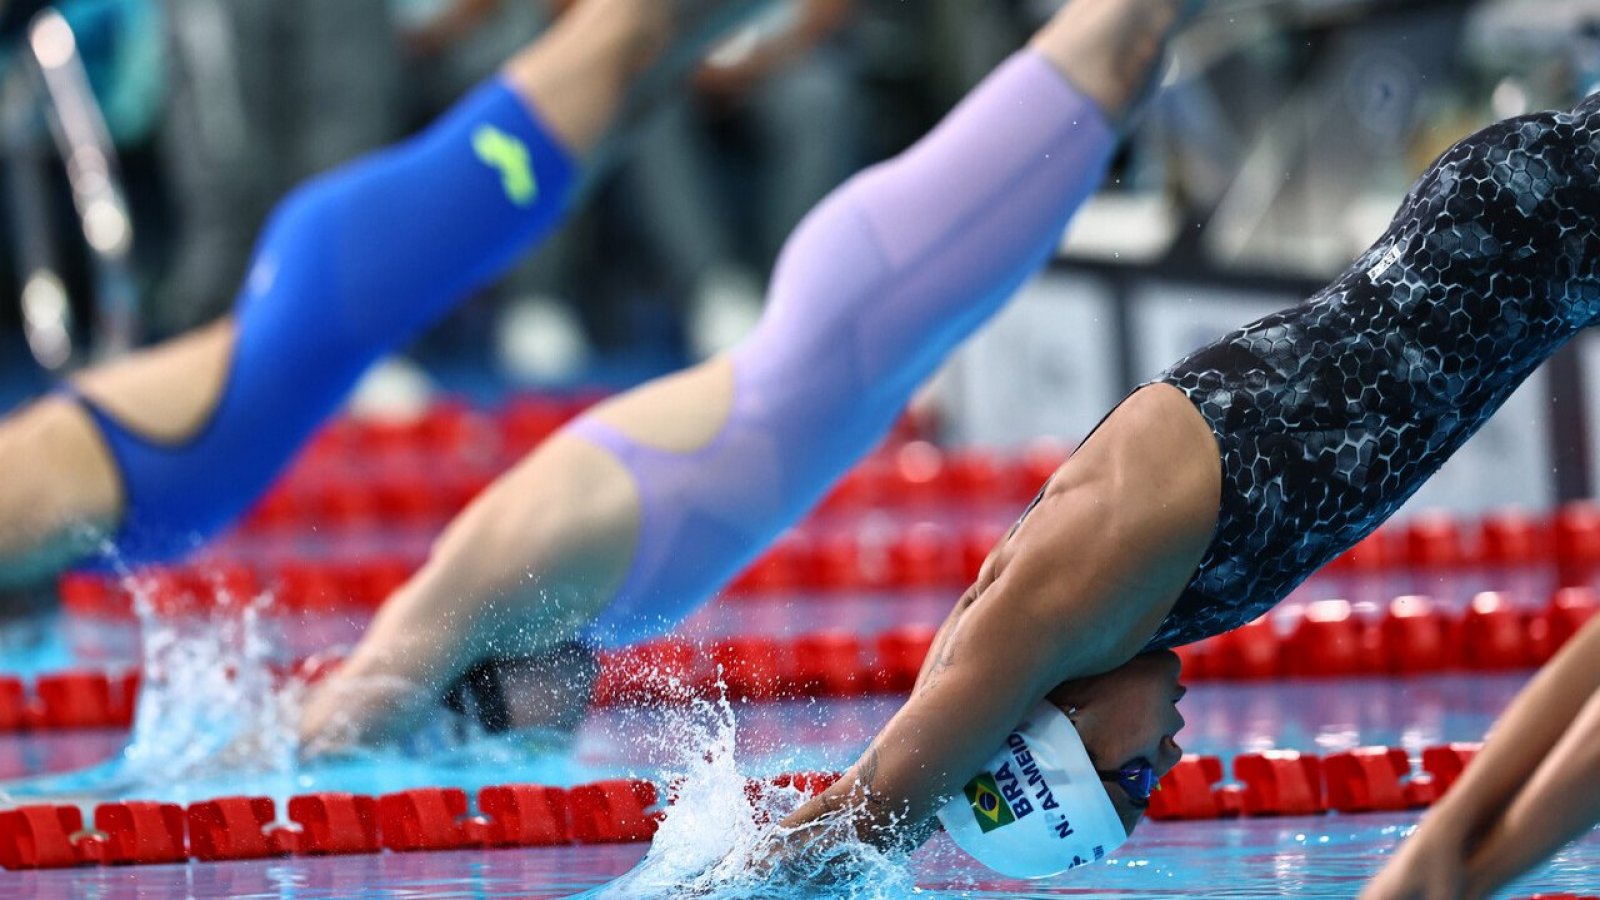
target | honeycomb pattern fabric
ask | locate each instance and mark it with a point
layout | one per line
(1330, 415)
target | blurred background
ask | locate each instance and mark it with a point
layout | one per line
(142, 142)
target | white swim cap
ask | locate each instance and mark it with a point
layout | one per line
(1037, 808)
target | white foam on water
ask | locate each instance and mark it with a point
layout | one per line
(715, 835)
(212, 696)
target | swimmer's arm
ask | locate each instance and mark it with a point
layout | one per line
(1529, 764)
(1559, 804)
(517, 573)
(1522, 738)
(1075, 592)
(998, 661)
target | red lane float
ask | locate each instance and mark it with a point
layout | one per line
(1375, 779)
(142, 832)
(424, 819)
(1417, 637)
(613, 812)
(1331, 639)
(13, 704)
(1331, 642)
(1494, 635)
(1252, 652)
(1446, 763)
(1190, 791)
(232, 828)
(525, 816)
(830, 664)
(335, 823)
(40, 837)
(900, 655)
(627, 810)
(1281, 783)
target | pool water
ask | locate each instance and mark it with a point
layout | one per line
(1327, 856)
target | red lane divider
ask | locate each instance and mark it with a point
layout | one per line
(335, 823)
(1287, 783)
(919, 556)
(1272, 783)
(613, 812)
(426, 819)
(68, 700)
(1446, 763)
(525, 816)
(1189, 792)
(1375, 779)
(232, 828)
(40, 837)
(1281, 783)
(142, 833)
(1413, 636)
(356, 474)
(1331, 640)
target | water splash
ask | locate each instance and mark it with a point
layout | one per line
(214, 694)
(716, 831)
(220, 705)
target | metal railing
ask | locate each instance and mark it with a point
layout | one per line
(49, 118)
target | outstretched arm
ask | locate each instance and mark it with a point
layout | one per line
(1558, 805)
(1074, 591)
(519, 572)
(1538, 767)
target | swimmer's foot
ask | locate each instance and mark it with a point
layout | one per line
(1113, 50)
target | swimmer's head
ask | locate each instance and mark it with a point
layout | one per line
(1069, 783)
(1128, 718)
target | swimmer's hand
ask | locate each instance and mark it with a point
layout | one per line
(390, 686)
(817, 857)
(346, 711)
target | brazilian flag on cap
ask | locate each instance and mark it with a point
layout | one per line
(988, 807)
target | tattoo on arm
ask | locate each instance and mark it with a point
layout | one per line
(880, 820)
(867, 770)
(943, 656)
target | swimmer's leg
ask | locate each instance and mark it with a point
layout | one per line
(623, 523)
(172, 444)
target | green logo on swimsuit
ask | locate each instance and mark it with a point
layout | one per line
(988, 807)
(508, 156)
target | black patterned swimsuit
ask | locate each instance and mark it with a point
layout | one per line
(1330, 415)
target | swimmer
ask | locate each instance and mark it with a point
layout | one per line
(1530, 791)
(630, 518)
(1198, 504)
(162, 450)
(1208, 495)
